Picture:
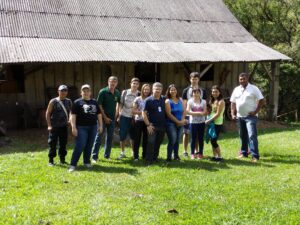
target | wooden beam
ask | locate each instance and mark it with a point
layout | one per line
(187, 71)
(267, 71)
(254, 69)
(274, 91)
(205, 70)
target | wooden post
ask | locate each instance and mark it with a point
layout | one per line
(274, 91)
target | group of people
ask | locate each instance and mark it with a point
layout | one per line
(146, 116)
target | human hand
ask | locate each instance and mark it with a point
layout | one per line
(74, 132)
(253, 113)
(107, 120)
(49, 128)
(150, 129)
(100, 129)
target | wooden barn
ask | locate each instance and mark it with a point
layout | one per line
(50, 42)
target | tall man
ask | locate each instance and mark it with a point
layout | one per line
(126, 116)
(246, 102)
(108, 100)
(57, 116)
(186, 95)
(155, 119)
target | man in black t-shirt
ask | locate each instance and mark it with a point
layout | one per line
(57, 116)
(186, 95)
(155, 119)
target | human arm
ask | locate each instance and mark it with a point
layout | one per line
(106, 119)
(48, 115)
(233, 110)
(150, 127)
(73, 125)
(260, 103)
(100, 123)
(220, 107)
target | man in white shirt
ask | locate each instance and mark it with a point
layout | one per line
(246, 101)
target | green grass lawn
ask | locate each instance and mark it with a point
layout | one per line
(127, 192)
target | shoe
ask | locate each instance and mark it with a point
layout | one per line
(51, 162)
(214, 159)
(122, 156)
(107, 157)
(192, 156)
(254, 160)
(219, 159)
(136, 160)
(169, 160)
(200, 156)
(88, 165)
(72, 169)
(241, 157)
(94, 161)
(177, 158)
(63, 162)
(185, 154)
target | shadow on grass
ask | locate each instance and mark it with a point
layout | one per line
(204, 164)
(108, 169)
(277, 158)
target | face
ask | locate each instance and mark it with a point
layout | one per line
(243, 80)
(86, 93)
(135, 85)
(194, 81)
(146, 91)
(156, 91)
(173, 91)
(63, 93)
(112, 83)
(215, 93)
(196, 94)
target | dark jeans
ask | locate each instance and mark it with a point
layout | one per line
(173, 133)
(58, 134)
(153, 144)
(197, 132)
(83, 143)
(140, 130)
(109, 134)
(214, 141)
(248, 135)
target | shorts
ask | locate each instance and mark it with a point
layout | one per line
(126, 126)
(186, 128)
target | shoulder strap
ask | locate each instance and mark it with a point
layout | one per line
(63, 107)
(124, 93)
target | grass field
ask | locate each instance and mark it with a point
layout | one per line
(127, 192)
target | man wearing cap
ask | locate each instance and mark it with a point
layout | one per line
(57, 116)
(108, 100)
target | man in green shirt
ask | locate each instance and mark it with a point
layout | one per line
(108, 100)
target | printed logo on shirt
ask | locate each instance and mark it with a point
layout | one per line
(89, 109)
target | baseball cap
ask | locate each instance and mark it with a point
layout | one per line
(85, 86)
(62, 87)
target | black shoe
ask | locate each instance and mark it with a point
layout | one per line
(169, 160)
(177, 158)
(51, 162)
(63, 162)
(214, 159)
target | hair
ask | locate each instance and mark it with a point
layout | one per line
(196, 90)
(168, 94)
(244, 75)
(212, 99)
(135, 79)
(142, 90)
(113, 78)
(157, 84)
(194, 75)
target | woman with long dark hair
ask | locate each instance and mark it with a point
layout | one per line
(175, 112)
(216, 116)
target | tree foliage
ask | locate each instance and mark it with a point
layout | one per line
(275, 23)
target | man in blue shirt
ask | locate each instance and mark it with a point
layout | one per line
(155, 119)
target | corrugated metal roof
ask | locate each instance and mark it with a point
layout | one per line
(202, 10)
(14, 50)
(20, 24)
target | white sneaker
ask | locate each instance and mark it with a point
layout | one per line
(94, 161)
(88, 165)
(71, 169)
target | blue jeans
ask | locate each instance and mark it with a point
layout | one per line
(248, 135)
(197, 132)
(83, 143)
(153, 144)
(109, 133)
(173, 133)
